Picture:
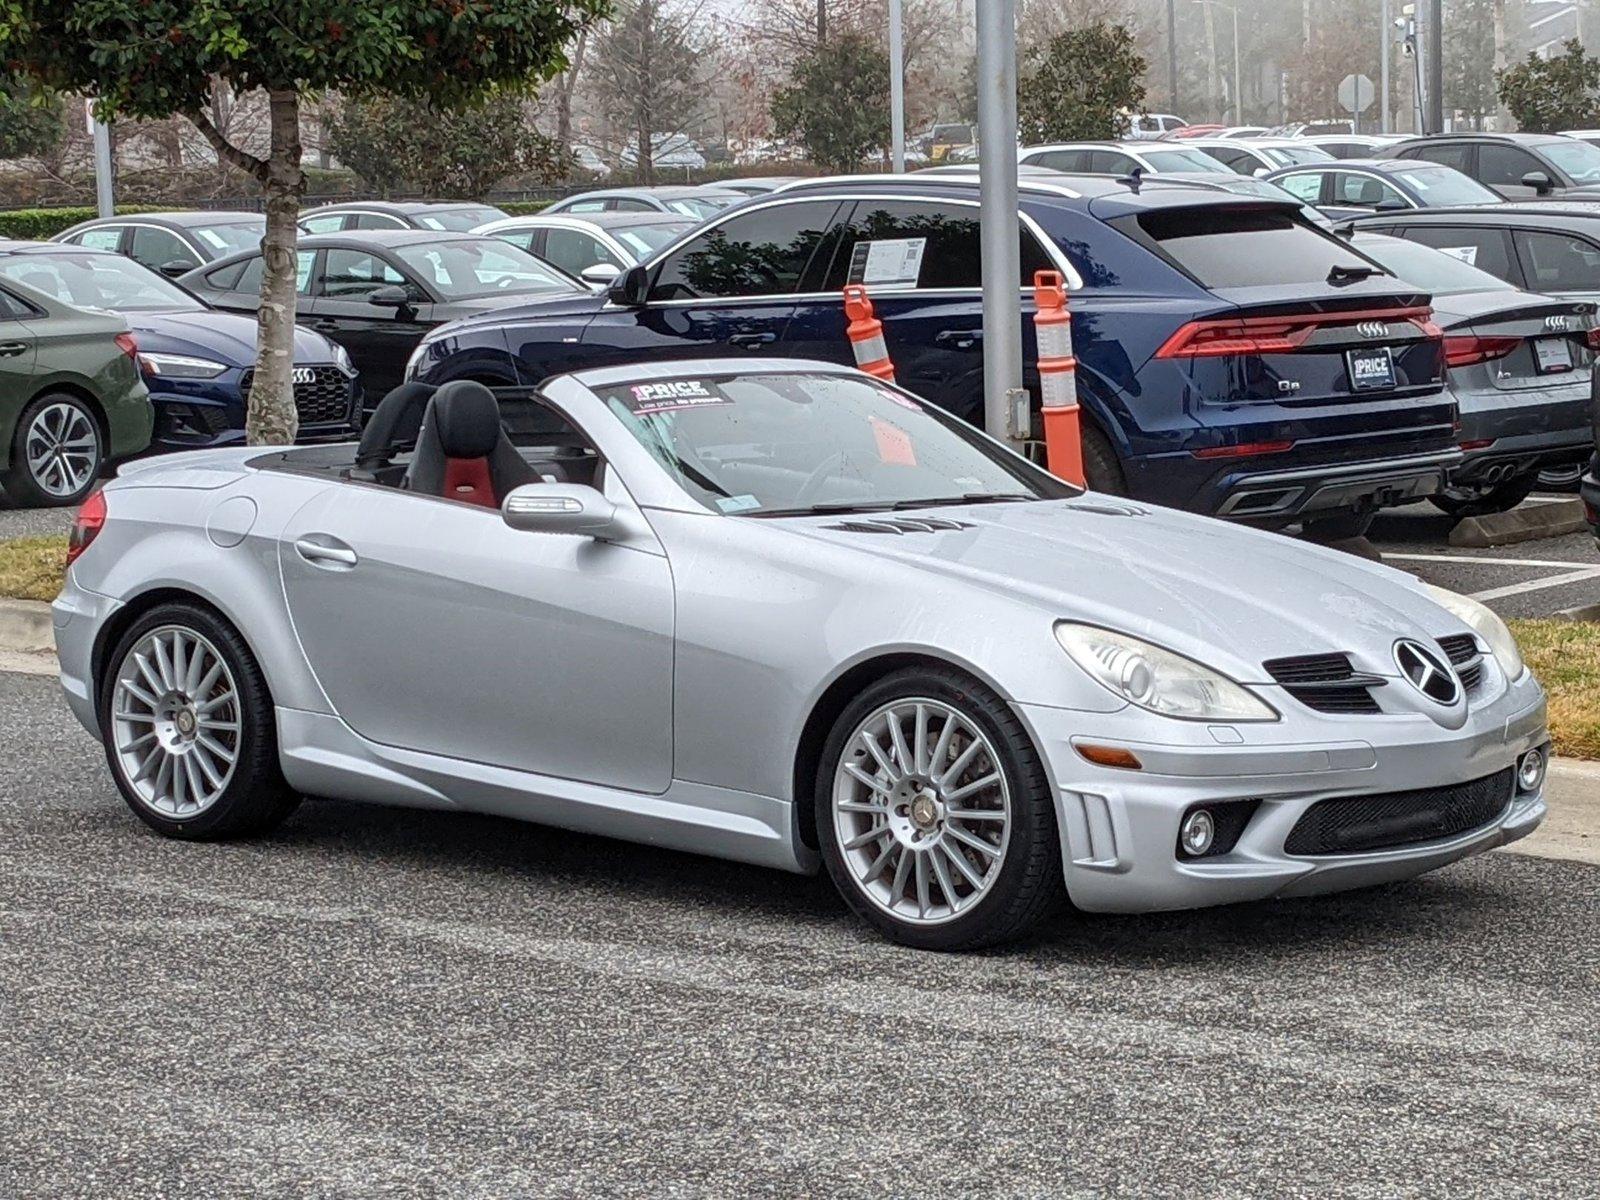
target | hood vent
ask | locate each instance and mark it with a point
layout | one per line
(1102, 507)
(901, 525)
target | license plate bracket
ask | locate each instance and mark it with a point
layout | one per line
(1552, 355)
(1371, 370)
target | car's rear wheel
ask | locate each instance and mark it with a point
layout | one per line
(1337, 527)
(934, 813)
(1561, 479)
(188, 728)
(57, 452)
(1467, 500)
(1102, 470)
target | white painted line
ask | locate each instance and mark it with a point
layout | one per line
(1485, 560)
(1534, 585)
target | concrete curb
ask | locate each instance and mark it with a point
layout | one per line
(1525, 524)
(25, 627)
(1588, 612)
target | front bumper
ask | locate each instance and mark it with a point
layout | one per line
(1119, 828)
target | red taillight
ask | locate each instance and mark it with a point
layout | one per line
(125, 342)
(1478, 444)
(1217, 338)
(1464, 350)
(91, 518)
(1243, 450)
(1592, 337)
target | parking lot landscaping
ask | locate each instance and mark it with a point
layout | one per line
(31, 567)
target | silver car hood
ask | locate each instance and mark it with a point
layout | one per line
(1201, 587)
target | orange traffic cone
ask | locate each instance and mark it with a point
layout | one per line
(1058, 377)
(866, 334)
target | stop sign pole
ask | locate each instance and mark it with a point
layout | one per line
(1005, 402)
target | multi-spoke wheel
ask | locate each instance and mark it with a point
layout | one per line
(188, 727)
(57, 452)
(934, 814)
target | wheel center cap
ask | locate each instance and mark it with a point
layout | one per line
(924, 811)
(185, 721)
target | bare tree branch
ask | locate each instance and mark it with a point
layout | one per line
(226, 150)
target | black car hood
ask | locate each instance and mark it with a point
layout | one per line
(495, 310)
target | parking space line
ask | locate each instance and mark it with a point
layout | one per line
(1534, 585)
(1484, 560)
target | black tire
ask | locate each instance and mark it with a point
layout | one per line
(21, 483)
(1029, 884)
(256, 798)
(1102, 469)
(1337, 527)
(1561, 479)
(1499, 498)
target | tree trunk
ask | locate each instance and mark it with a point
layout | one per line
(272, 419)
(564, 90)
(1213, 83)
(1502, 115)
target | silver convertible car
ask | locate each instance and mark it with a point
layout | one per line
(781, 612)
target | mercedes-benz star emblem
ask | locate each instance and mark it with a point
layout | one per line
(1425, 672)
(1372, 329)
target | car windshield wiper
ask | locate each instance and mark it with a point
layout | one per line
(968, 498)
(1339, 273)
(829, 508)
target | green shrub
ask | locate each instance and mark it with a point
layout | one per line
(521, 208)
(41, 224)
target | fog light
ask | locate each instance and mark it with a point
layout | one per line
(1198, 832)
(1530, 771)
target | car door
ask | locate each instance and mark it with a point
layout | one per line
(17, 352)
(379, 339)
(731, 290)
(433, 626)
(1502, 168)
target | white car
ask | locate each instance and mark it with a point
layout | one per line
(1117, 158)
(597, 246)
(1146, 126)
(1257, 156)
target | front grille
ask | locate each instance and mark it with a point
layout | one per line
(1353, 824)
(323, 401)
(1462, 651)
(1326, 683)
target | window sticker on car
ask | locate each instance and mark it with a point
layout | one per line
(733, 504)
(1467, 254)
(897, 398)
(891, 261)
(894, 444)
(647, 398)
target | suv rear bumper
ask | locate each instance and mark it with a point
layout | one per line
(1343, 487)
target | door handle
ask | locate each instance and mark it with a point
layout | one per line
(324, 554)
(12, 349)
(961, 339)
(749, 341)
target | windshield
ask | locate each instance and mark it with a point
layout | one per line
(644, 240)
(1294, 156)
(466, 269)
(231, 238)
(700, 207)
(1424, 267)
(765, 445)
(1180, 160)
(1446, 185)
(107, 282)
(1578, 159)
(458, 220)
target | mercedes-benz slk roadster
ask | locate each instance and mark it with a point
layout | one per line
(781, 612)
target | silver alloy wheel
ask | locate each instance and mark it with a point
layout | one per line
(175, 722)
(922, 810)
(62, 447)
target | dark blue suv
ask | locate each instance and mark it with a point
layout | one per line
(1234, 359)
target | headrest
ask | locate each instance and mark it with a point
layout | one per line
(466, 419)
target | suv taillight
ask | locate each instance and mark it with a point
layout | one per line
(90, 520)
(1225, 336)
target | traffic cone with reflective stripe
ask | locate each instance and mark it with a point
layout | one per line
(1058, 377)
(866, 334)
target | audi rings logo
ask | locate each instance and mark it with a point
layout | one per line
(304, 375)
(1425, 672)
(1372, 329)
(1556, 323)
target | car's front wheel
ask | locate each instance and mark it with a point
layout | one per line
(189, 728)
(57, 452)
(934, 813)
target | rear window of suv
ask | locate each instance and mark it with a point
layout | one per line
(1241, 247)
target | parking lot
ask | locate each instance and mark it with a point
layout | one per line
(380, 1002)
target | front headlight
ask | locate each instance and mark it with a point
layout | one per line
(1157, 679)
(179, 366)
(1486, 625)
(415, 361)
(341, 358)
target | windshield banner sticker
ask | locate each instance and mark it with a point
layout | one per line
(897, 260)
(894, 444)
(1467, 254)
(668, 397)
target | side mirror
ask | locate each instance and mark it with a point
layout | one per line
(1538, 181)
(390, 296)
(173, 269)
(631, 288)
(560, 508)
(600, 274)
(1392, 204)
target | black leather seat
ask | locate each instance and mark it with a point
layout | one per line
(462, 451)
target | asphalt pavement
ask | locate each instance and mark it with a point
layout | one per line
(382, 1002)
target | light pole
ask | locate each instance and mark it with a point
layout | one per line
(1383, 67)
(897, 88)
(1238, 88)
(1005, 401)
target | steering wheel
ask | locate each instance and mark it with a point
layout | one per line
(813, 484)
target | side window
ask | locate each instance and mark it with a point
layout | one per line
(1486, 249)
(575, 251)
(583, 206)
(355, 274)
(949, 256)
(1305, 187)
(1237, 161)
(331, 223)
(226, 279)
(12, 309)
(629, 204)
(763, 253)
(1362, 190)
(1500, 165)
(522, 239)
(155, 248)
(1448, 155)
(1109, 162)
(248, 282)
(1558, 262)
(375, 221)
(101, 237)
(1073, 161)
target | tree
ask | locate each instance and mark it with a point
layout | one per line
(30, 127)
(159, 58)
(1081, 84)
(837, 107)
(648, 76)
(393, 143)
(1550, 94)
